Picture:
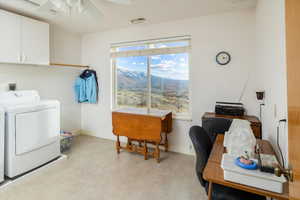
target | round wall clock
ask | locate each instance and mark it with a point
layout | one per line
(223, 58)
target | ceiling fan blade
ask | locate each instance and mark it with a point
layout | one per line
(124, 2)
(44, 6)
(86, 7)
(89, 7)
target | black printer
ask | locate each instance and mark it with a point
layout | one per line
(228, 108)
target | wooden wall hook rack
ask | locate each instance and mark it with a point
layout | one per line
(69, 65)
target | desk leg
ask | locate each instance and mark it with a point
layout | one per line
(210, 191)
(118, 145)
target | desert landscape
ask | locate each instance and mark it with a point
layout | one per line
(166, 94)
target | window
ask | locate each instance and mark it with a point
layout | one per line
(131, 81)
(152, 74)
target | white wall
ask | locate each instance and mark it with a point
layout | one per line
(269, 73)
(52, 83)
(233, 32)
(65, 47)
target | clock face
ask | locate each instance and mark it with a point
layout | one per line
(223, 58)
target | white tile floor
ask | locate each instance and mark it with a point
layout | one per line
(93, 171)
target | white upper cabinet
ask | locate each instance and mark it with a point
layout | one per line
(23, 40)
(10, 40)
(35, 41)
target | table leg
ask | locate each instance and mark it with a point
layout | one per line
(166, 143)
(118, 145)
(145, 150)
(209, 191)
(129, 144)
(157, 152)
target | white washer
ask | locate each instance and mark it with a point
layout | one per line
(32, 130)
(1, 145)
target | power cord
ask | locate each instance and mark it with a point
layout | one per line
(278, 145)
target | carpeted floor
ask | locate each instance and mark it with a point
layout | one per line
(93, 171)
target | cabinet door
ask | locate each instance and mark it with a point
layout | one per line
(35, 41)
(9, 37)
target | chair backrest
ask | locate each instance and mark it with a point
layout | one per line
(213, 126)
(202, 145)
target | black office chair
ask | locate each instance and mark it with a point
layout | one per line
(214, 126)
(203, 146)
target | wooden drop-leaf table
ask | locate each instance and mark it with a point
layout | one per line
(143, 126)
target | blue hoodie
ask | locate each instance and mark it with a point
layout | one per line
(86, 89)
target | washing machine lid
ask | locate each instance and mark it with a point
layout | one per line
(19, 97)
(32, 107)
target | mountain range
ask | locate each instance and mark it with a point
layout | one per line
(137, 81)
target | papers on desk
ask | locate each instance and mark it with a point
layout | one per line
(253, 178)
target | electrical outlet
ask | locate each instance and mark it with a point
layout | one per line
(191, 148)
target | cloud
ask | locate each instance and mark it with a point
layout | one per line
(155, 57)
(165, 64)
(161, 46)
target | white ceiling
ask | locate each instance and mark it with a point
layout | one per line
(119, 15)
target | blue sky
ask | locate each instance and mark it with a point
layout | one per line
(172, 66)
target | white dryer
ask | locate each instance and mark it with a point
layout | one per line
(1, 145)
(32, 130)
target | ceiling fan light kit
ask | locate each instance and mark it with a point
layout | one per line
(67, 6)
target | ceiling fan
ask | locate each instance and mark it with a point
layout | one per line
(68, 7)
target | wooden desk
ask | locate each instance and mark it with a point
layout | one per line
(143, 127)
(255, 122)
(213, 171)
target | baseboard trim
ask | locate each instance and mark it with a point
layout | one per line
(76, 132)
(89, 133)
(123, 140)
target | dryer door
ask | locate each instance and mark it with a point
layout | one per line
(36, 129)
